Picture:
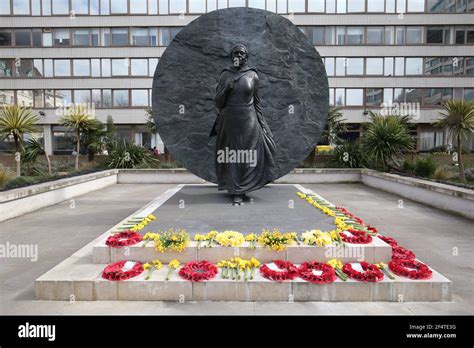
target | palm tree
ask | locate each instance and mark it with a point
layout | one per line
(94, 138)
(335, 126)
(458, 119)
(17, 120)
(78, 118)
(32, 149)
(386, 139)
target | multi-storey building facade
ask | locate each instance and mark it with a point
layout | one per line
(376, 52)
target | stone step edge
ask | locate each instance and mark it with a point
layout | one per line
(88, 285)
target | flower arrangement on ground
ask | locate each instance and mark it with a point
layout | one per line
(412, 269)
(286, 271)
(371, 273)
(122, 270)
(336, 264)
(232, 268)
(142, 224)
(148, 237)
(198, 271)
(172, 266)
(317, 237)
(172, 240)
(153, 266)
(208, 237)
(230, 238)
(276, 240)
(121, 239)
(252, 238)
(325, 273)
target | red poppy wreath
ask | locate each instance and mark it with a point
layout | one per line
(358, 237)
(371, 272)
(198, 271)
(410, 269)
(288, 271)
(389, 240)
(116, 272)
(327, 276)
(122, 239)
(399, 252)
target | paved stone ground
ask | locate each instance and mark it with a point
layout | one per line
(62, 229)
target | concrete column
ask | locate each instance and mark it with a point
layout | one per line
(48, 139)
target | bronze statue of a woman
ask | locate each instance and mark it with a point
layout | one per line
(244, 145)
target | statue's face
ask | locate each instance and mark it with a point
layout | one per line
(239, 57)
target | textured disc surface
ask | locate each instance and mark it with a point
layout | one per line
(293, 86)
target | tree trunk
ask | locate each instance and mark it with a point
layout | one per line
(78, 148)
(17, 155)
(462, 177)
(49, 163)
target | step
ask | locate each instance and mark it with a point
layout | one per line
(79, 279)
(376, 251)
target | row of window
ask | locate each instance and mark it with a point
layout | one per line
(399, 66)
(99, 98)
(145, 67)
(105, 67)
(375, 97)
(126, 98)
(89, 37)
(164, 7)
(389, 35)
(162, 36)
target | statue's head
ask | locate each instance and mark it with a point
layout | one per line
(239, 55)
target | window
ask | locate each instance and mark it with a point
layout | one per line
(96, 98)
(355, 66)
(49, 98)
(5, 37)
(355, 35)
(416, 5)
(374, 66)
(80, 37)
(330, 6)
(390, 6)
(7, 97)
(82, 96)
(398, 95)
(21, 7)
(470, 35)
(199, 6)
(178, 6)
(140, 37)
(211, 5)
(414, 66)
(340, 66)
(62, 67)
(388, 66)
(80, 6)
(341, 6)
(22, 38)
(340, 35)
(356, 6)
(61, 37)
(106, 98)
(106, 68)
(119, 37)
(413, 95)
(163, 6)
(4, 9)
(375, 35)
(329, 64)
(236, 3)
(120, 97)
(458, 66)
(38, 68)
(400, 35)
(436, 6)
(374, 97)
(94, 7)
(24, 68)
(469, 66)
(104, 7)
(340, 97)
(331, 96)
(138, 6)
(60, 7)
(168, 34)
(139, 97)
(139, 67)
(329, 35)
(460, 36)
(6, 67)
(317, 35)
(48, 68)
(46, 7)
(38, 98)
(399, 66)
(401, 6)
(434, 35)
(152, 62)
(47, 39)
(24, 98)
(94, 37)
(63, 97)
(120, 67)
(354, 97)
(375, 6)
(36, 33)
(316, 6)
(414, 35)
(81, 67)
(118, 7)
(468, 94)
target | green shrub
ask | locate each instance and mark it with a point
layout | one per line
(408, 166)
(128, 155)
(5, 175)
(425, 166)
(349, 155)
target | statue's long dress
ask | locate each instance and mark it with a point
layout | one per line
(240, 126)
